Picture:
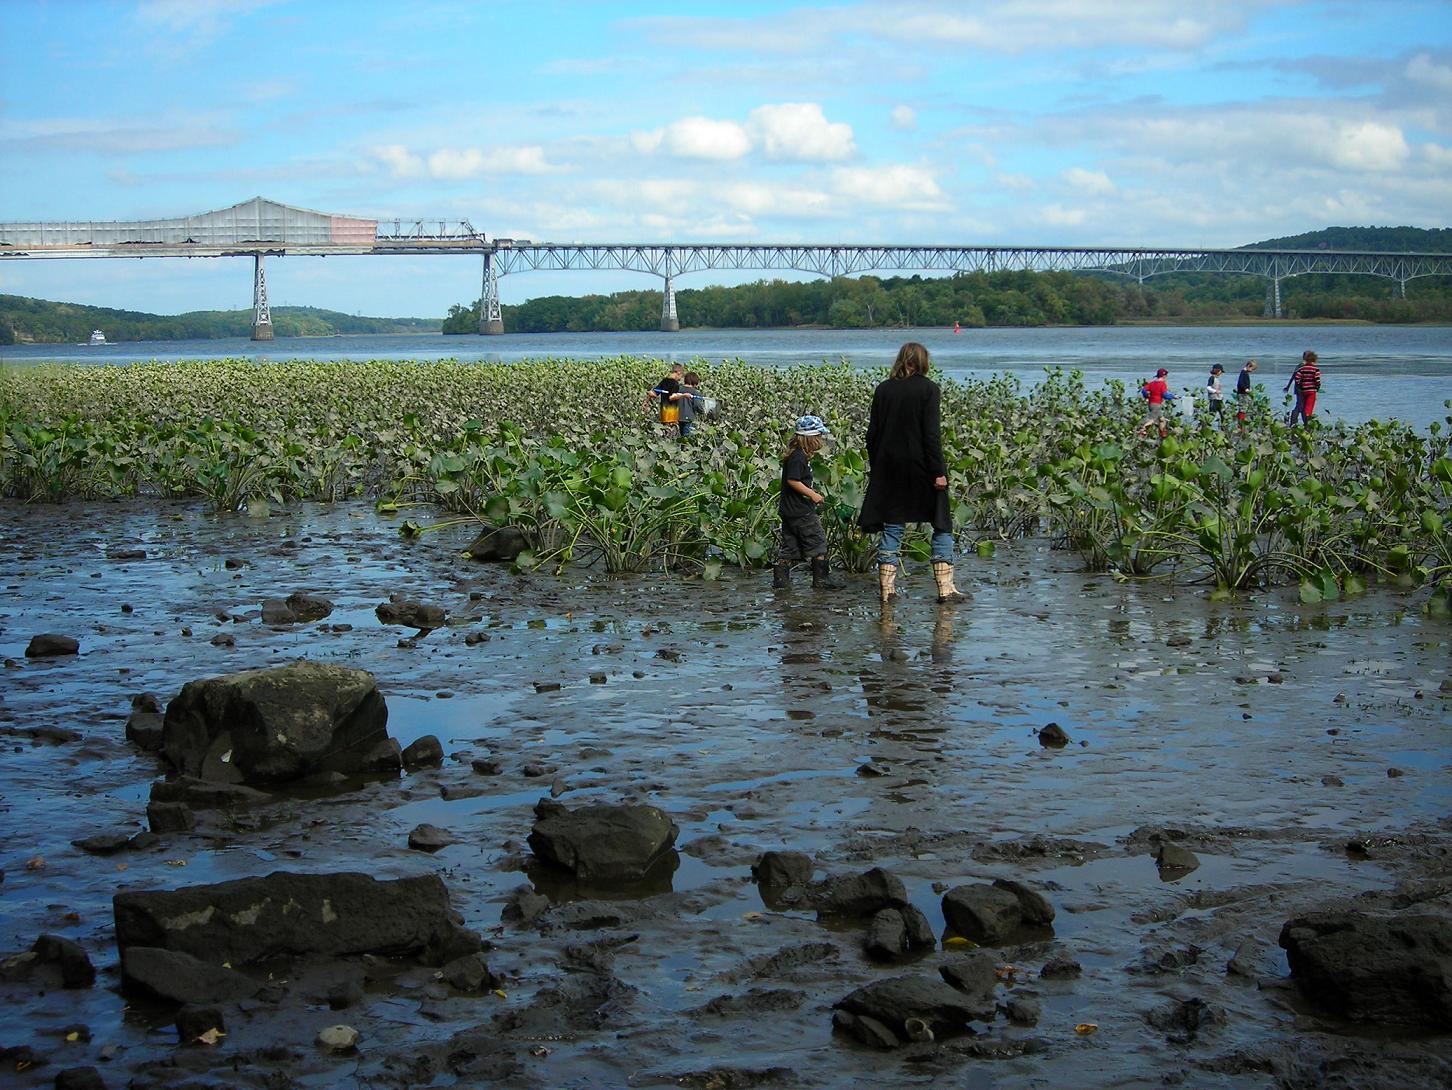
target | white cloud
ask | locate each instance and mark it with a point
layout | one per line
(800, 131)
(910, 188)
(1438, 155)
(1090, 181)
(904, 118)
(1422, 69)
(1056, 215)
(758, 199)
(1368, 145)
(647, 142)
(789, 131)
(705, 138)
(457, 163)
(401, 162)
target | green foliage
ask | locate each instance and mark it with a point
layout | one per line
(568, 452)
(45, 322)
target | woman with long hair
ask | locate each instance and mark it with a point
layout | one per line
(907, 475)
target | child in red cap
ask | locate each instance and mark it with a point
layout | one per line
(1156, 391)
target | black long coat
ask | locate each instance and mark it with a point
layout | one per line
(905, 456)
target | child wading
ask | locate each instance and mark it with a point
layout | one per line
(1215, 393)
(802, 536)
(1156, 391)
(1307, 381)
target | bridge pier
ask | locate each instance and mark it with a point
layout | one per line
(491, 318)
(261, 313)
(1273, 298)
(669, 323)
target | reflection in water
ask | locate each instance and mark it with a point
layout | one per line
(561, 886)
(803, 676)
(908, 695)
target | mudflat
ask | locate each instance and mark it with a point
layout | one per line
(1218, 769)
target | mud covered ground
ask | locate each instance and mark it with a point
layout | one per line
(1301, 752)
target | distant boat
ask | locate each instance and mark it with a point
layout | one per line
(97, 337)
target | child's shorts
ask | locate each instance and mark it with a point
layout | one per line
(802, 537)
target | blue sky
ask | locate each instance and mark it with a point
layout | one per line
(1065, 122)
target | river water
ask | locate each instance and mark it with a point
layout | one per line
(1381, 372)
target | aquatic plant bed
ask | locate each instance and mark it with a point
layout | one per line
(567, 452)
(1220, 768)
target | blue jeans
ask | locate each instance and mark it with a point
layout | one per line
(889, 544)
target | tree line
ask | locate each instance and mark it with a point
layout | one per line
(44, 322)
(974, 300)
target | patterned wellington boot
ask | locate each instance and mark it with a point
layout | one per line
(943, 576)
(886, 582)
(822, 577)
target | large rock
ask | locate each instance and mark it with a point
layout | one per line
(908, 1005)
(997, 914)
(859, 895)
(280, 724)
(602, 842)
(498, 543)
(49, 644)
(297, 915)
(410, 613)
(1395, 969)
(52, 959)
(181, 978)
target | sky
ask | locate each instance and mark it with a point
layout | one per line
(976, 122)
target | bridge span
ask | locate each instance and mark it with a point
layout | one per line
(261, 228)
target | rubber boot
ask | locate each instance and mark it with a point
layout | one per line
(781, 575)
(822, 577)
(886, 582)
(943, 576)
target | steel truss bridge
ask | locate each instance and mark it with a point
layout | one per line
(260, 228)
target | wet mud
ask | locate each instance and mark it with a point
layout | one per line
(1301, 753)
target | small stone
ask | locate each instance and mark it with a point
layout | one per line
(1061, 967)
(1394, 773)
(275, 611)
(222, 639)
(546, 686)
(1023, 1012)
(486, 766)
(1053, 736)
(1276, 679)
(338, 1039)
(1175, 860)
(51, 644)
(429, 838)
(871, 770)
(422, 752)
(1339, 698)
(232, 563)
(597, 678)
(534, 771)
(1177, 641)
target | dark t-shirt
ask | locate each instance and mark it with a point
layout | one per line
(663, 389)
(793, 503)
(1242, 384)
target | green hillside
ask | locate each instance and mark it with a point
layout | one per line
(1400, 240)
(45, 322)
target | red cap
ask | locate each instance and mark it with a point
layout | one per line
(1161, 373)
